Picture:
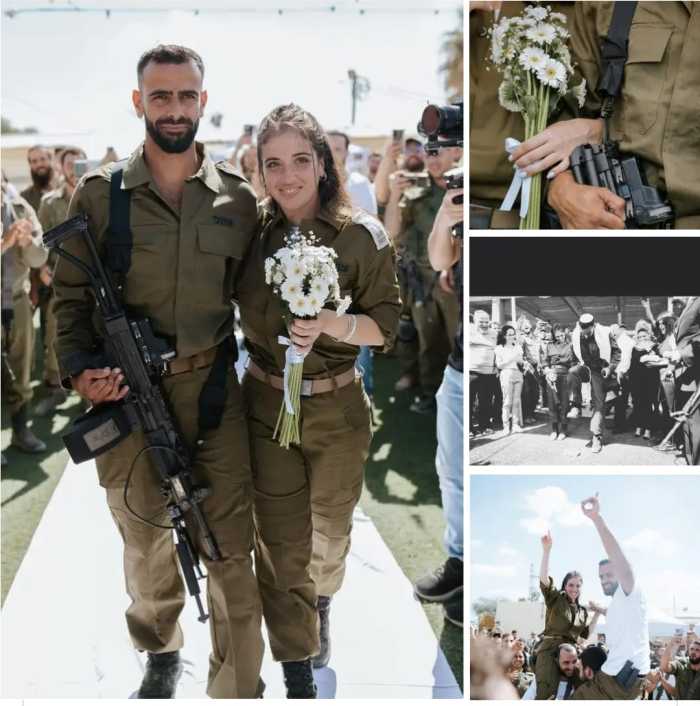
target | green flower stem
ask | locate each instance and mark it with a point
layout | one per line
(287, 427)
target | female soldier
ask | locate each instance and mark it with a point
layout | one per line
(566, 620)
(313, 487)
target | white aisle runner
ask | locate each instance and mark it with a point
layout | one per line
(64, 633)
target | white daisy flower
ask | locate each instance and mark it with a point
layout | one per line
(552, 73)
(580, 93)
(277, 278)
(301, 306)
(539, 13)
(320, 288)
(533, 58)
(557, 16)
(542, 33)
(291, 289)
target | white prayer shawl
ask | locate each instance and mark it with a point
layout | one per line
(626, 346)
(602, 338)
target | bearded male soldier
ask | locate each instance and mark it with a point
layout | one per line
(190, 223)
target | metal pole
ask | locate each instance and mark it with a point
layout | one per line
(512, 309)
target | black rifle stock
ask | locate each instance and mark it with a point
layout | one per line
(142, 357)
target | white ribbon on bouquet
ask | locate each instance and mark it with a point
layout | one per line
(291, 357)
(520, 181)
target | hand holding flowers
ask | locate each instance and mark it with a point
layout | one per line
(531, 52)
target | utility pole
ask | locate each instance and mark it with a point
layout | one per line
(359, 88)
(533, 593)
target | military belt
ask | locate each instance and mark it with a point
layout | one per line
(308, 387)
(204, 359)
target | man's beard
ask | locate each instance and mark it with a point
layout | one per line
(41, 181)
(611, 590)
(694, 660)
(413, 163)
(177, 144)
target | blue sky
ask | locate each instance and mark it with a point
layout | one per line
(655, 518)
(69, 72)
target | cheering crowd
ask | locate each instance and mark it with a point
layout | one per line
(503, 662)
(517, 369)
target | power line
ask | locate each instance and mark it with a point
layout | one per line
(326, 9)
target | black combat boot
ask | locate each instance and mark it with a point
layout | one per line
(163, 672)
(324, 632)
(299, 680)
(443, 583)
(23, 437)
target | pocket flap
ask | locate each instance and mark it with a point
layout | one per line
(648, 43)
(220, 240)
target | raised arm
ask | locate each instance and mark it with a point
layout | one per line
(544, 566)
(623, 569)
(669, 654)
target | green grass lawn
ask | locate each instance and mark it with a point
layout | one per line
(401, 492)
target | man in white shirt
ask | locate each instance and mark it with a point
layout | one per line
(626, 627)
(359, 187)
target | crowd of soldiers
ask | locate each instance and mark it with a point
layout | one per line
(674, 674)
(517, 369)
(651, 118)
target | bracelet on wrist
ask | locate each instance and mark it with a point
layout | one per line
(352, 327)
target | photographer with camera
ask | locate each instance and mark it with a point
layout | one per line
(409, 219)
(444, 585)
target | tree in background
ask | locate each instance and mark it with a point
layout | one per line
(453, 66)
(7, 128)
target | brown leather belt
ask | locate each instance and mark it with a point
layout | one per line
(308, 387)
(204, 359)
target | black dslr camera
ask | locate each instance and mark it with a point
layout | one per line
(444, 127)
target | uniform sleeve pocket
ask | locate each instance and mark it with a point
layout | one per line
(220, 240)
(645, 77)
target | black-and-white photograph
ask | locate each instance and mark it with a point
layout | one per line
(584, 380)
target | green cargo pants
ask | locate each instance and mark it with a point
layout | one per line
(436, 322)
(20, 354)
(304, 500)
(604, 687)
(152, 578)
(547, 671)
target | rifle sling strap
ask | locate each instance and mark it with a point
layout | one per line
(614, 53)
(118, 247)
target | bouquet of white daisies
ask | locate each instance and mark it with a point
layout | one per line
(305, 278)
(531, 52)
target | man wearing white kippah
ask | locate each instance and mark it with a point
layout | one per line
(597, 355)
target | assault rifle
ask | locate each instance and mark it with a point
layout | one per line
(143, 358)
(604, 166)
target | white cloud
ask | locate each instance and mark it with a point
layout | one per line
(509, 552)
(651, 540)
(476, 544)
(550, 507)
(501, 570)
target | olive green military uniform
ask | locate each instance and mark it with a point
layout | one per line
(437, 318)
(183, 265)
(687, 679)
(603, 687)
(52, 212)
(564, 622)
(656, 115)
(305, 495)
(33, 195)
(490, 172)
(17, 261)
